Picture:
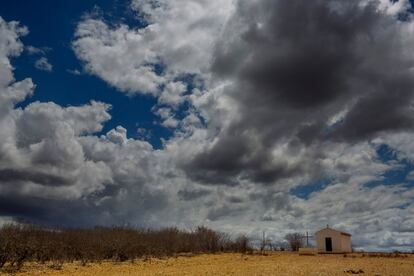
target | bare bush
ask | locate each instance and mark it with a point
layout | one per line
(242, 245)
(20, 243)
(295, 240)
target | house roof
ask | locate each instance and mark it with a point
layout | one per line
(341, 232)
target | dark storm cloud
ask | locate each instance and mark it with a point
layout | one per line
(225, 211)
(303, 53)
(295, 65)
(232, 160)
(12, 175)
(83, 212)
(192, 194)
(33, 209)
(23, 208)
(57, 212)
(388, 110)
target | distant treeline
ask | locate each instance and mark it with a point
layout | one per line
(21, 243)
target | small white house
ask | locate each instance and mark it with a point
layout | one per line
(329, 240)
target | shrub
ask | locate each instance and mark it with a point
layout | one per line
(19, 243)
(295, 241)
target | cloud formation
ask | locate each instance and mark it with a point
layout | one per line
(176, 39)
(332, 58)
(283, 95)
(50, 158)
(43, 64)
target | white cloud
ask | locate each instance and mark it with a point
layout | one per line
(180, 36)
(75, 72)
(44, 145)
(410, 176)
(167, 116)
(119, 56)
(185, 31)
(43, 65)
(31, 50)
(10, 46)
(394, 7)
(172, 94)
(118, 135)
(51, 158)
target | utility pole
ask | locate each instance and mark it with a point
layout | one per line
(263, 245)
(307, 239)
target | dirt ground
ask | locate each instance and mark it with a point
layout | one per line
(237, 264)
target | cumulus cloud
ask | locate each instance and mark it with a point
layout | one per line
(172, 94)
(302, 88)
(349, 58)
(103, 49)
(283, 95)
(176, 40)
(51, 158)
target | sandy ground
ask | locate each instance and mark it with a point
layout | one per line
(237, 264)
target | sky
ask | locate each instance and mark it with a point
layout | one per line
(244, 116)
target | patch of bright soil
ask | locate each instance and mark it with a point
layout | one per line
(237, 264)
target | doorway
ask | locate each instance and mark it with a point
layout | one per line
(328, 244)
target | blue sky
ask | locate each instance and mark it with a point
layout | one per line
(397, 175)
(235, 102)
(53, 26)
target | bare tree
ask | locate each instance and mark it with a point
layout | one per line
(22, 243)
(265, 243)
(295, 240)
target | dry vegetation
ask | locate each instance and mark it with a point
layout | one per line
(27, 243)
(275, 263)
(31, 250)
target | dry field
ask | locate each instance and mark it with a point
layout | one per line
(237, 264)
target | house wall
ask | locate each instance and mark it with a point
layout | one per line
(346, 243)
(340, 243)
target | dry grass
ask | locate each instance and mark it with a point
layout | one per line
(237, 264)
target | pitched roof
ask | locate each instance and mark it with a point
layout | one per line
(341, 232)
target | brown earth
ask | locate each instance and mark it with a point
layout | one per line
(237, 264)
